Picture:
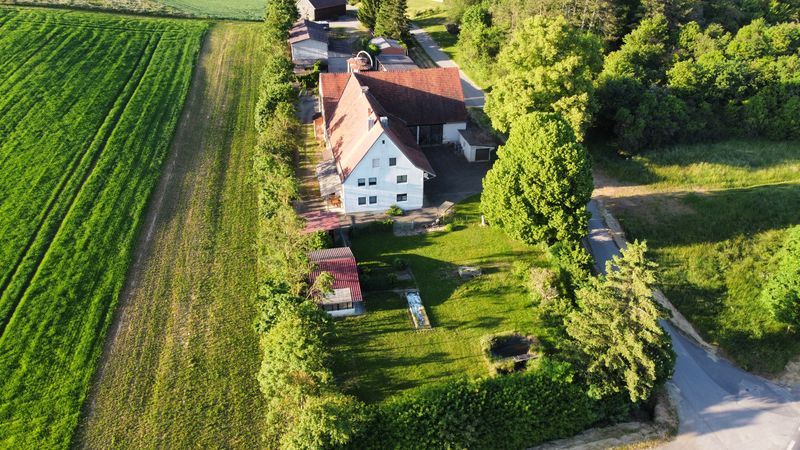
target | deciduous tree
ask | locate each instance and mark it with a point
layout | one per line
(541, 182)
(548, 66)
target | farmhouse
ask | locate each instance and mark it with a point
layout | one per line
(321, 9)
(309, 42)
(375, 126)
(346, 298)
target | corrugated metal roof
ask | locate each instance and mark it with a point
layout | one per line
(341, 264)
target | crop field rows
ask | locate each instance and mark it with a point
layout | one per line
(220, 9)
(88, 107)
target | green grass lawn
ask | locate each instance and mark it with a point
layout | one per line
(713, 215)
(379, 354)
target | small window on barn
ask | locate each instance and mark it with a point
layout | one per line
(373, 181)
(376, 162)
(392, 161)
(362, 182)
(402, 197)
(402, 179)
(362, 200)
(373, 199)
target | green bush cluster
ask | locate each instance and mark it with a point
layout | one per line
(514, 411)
(782, 291)
(703, 84)
(304, 407)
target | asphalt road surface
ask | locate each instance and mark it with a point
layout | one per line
(720, 406)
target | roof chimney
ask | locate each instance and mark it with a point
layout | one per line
(384, 121)
(364, 89)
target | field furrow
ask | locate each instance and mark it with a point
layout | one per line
(85, 123)
(78, 173)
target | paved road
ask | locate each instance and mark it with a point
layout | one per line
(473, 95)
(720, 406)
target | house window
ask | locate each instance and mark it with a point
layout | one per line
(362, 200)
(373, 181)
(402, 197)
(337, 306)
(402, 179)
(362, 182)
(373, 199)
(376, 162)
(392, 161)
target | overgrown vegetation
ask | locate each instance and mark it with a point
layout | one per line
(782, 291)
(702, 83)
(304, 407)
(714, 215)
(88, 107)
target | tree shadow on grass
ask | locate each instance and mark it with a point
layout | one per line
(708, 217)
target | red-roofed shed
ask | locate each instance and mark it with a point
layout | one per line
(346, 298)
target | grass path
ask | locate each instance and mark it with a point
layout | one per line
(179, 366)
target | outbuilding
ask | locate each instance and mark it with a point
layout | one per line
(345, 298)
(476, 144)
(321, 9)
(309, 42)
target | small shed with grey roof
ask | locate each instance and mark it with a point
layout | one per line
(393, 63)
(476, 144)
(309, 42)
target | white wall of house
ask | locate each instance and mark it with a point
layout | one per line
(309, 51)
(450, 131)
(386, 187)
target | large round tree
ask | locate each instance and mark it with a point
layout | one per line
(541, 182)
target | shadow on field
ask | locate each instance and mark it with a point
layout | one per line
(707, 217)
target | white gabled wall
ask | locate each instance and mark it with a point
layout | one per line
(305, 9)
(387, 187)
(450, 131)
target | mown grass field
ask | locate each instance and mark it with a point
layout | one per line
(379, 354)
(220, 9)
(179, 370)
(88, 107)
(713, 216)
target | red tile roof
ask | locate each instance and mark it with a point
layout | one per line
(341, 264)
(419, 97)
(356, 124)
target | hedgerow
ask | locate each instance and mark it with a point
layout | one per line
(304, 407)
(511, 411)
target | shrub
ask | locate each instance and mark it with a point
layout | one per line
(515, 411)
(320, 240)
(394, 211)
(448, 228)
(400, 264)
(782, 291)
